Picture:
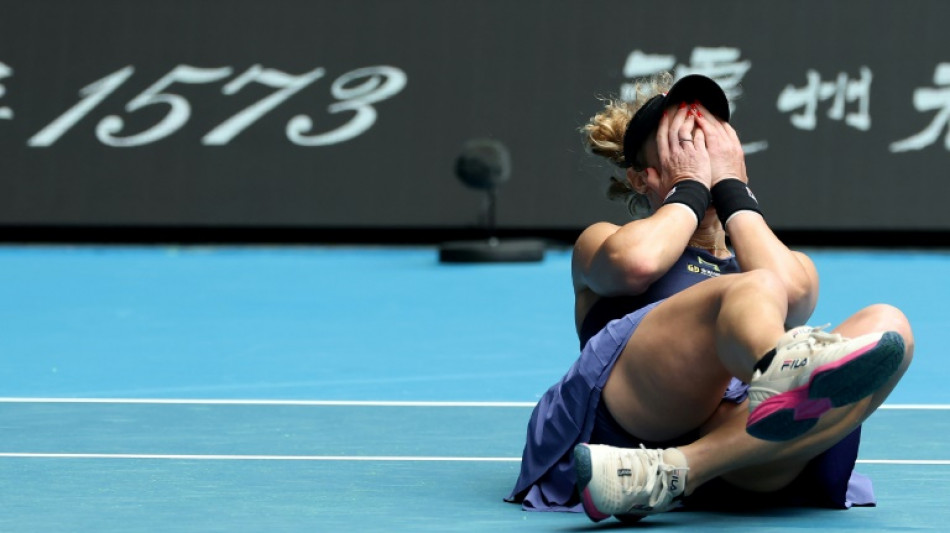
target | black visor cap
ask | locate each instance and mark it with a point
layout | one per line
(694, 87)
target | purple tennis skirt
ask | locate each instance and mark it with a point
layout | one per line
(570, 412)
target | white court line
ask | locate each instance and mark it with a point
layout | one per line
(338, 403)
(344, 403)
(193, 457)
(903, 462)
(370, 458)
(325, 403)
(915, 406)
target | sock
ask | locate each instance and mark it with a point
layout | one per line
(676, 459)
(764, 363)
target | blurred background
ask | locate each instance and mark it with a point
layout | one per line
(190, 383)
(331, 121)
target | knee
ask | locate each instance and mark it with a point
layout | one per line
(885, 317)
(888, 317)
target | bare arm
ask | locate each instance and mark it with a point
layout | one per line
(611, 260)
(756, 246)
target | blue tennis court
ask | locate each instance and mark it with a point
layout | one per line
(359, 389)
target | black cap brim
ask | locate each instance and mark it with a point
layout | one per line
(692, 88)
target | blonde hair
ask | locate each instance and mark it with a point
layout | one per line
(603, 136)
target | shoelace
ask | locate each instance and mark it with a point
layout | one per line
(817, 338)
(648, 460)
(654, 485)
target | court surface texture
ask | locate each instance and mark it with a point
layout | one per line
(155, 389)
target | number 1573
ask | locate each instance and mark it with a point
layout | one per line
(356, 91)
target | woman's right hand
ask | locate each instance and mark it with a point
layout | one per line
(682, 148)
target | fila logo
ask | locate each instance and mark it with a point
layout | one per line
(674, 481)
(792, 364)
(624, 472)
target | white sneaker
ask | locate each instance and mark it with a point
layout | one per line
(812, 372)
(628, 481)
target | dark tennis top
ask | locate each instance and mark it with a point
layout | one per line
(693, 266)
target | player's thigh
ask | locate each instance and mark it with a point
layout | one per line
(669, 379)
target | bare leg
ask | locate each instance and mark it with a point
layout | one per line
(670, 377)
(728, 451)
(669, 380)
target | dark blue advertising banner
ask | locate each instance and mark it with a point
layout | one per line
(351, 113)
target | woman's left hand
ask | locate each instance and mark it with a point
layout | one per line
(722, 143)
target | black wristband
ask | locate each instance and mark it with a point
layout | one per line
(693, 195)
(731, 196)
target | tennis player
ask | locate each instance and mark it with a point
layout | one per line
(698, 383)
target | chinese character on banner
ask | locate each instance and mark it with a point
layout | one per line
(721, 64)
(841, 91)
(931, 99)
(5, 72)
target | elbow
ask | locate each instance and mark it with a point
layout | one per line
(802, 290)
(802, 295)
(802, 300)
(636, 271)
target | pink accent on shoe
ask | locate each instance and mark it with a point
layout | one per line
(787, 400)
(798, 399)
(812, 408)
(591, 509)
